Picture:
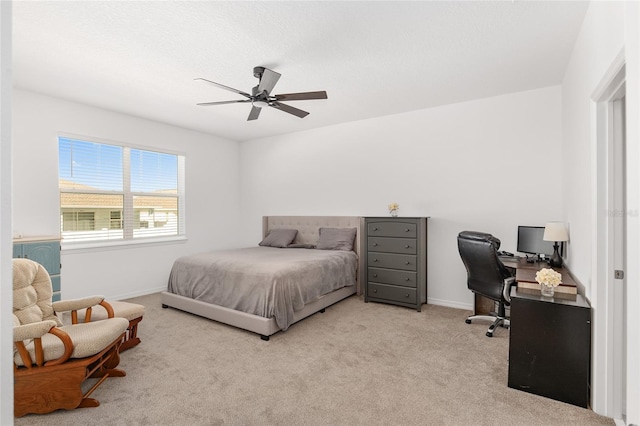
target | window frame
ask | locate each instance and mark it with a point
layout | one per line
(127, 239)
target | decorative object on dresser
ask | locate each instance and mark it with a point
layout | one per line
(45, 251)
(393, 209)
(395, 256)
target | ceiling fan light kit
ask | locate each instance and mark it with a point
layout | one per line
(261, 97)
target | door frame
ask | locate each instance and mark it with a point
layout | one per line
(608, 381)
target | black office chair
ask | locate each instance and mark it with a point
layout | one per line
(486, 274)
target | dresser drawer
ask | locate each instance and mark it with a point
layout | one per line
(391, 276)
(392, 245)
(390, 292)
(392, 229)
(406, 262)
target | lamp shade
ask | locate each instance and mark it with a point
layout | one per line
(555, 231)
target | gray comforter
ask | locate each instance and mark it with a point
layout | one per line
(264, 281)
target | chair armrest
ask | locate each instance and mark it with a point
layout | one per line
(506, 290)
(76, 304)
(33, 330)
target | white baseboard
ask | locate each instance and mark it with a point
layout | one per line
(450, 304)
(138, 293)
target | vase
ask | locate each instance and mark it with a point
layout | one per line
(547, 290)
(394, 213)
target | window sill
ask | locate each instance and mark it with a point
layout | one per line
(86, 247)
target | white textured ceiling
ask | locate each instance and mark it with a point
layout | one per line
(372, 58)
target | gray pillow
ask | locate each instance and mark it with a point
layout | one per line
(279, 238)
(336, 239)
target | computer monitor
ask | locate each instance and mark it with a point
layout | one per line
(530, 241)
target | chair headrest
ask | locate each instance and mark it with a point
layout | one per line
(481, 237)
(32, 292)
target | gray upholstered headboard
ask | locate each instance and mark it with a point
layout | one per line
(308, 227)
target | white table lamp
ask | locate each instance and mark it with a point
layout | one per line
(555, 231)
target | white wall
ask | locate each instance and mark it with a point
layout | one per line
(599, 42)
(486, 165)
(6, 293)
(608, 28)
(212, 167)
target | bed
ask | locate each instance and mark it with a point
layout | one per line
(258, 300)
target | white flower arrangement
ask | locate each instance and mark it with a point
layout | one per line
(393, 207)
(549, 277)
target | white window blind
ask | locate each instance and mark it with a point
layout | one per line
(112, 192)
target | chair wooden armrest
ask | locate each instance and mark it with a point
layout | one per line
(87, 303)
(34, 332)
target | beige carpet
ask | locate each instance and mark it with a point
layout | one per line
(356, 364)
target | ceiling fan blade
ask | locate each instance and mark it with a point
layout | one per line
(222, 86)
(291, 110)
(301, 96)
(223, 102)
(268, 80)
(255, 112)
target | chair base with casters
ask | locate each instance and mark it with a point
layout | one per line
(497, 319)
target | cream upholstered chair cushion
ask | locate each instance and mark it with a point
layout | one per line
(88, 339)
(126, 310)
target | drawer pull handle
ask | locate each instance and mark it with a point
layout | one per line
(407, 279)
(375, 244)
(375, 290)
(406, 246)
(375, 229)
(406, 230)
(407, 262)
(375, 275)
(406, 295)
(375, 260)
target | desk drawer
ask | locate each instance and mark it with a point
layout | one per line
(390, 292)
(392, 261)
(392, 245)
(392, 229)
(391, 276)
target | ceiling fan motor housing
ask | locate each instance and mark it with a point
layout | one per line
(257, 72)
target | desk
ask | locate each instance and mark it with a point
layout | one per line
(525, 272)
(550, 346)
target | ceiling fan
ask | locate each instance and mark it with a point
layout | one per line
(261, 96)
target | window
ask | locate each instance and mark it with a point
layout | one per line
(111, 192)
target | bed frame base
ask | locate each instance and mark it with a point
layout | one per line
(265, 327)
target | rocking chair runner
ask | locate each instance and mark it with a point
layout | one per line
(51, 361)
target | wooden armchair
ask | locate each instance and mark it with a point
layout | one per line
(51, 361)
